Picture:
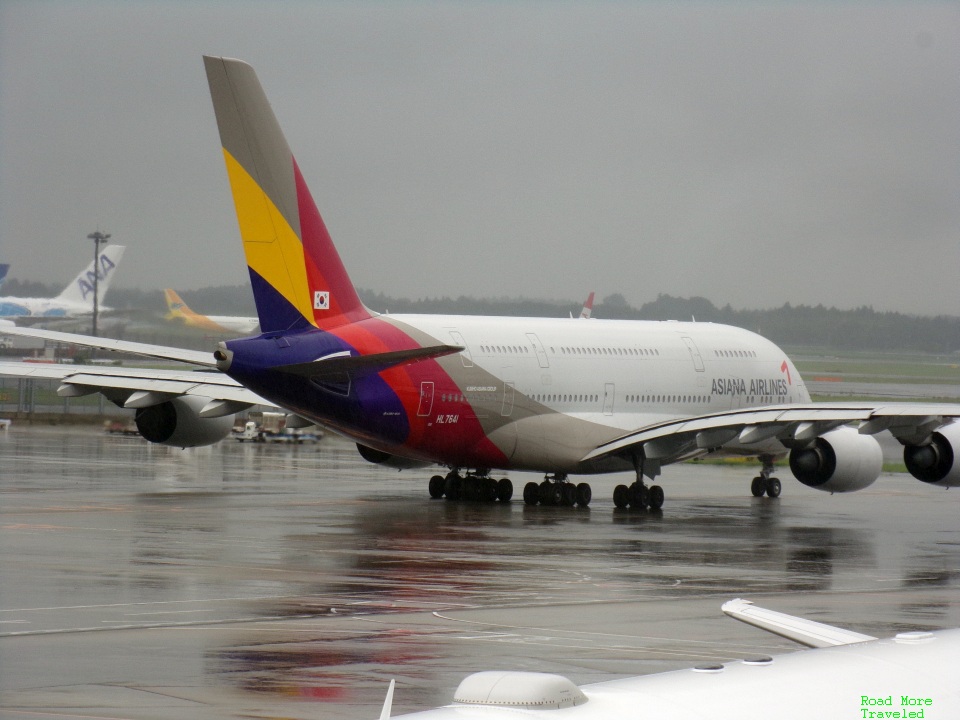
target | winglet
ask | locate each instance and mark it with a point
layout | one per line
(388, 702)
(805, 632)
(297, 276)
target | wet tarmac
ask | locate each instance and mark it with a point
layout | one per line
(273, 582)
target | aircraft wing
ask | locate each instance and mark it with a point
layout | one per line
(690, 436)
(806, 632)
(140, 387)
(192, 357)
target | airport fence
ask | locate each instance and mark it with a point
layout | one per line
(25, 398)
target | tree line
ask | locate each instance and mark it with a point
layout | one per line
(862, 328)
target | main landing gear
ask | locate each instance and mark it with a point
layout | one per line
(476, 486)
(557, 490)
(763, 483)
(638, 495)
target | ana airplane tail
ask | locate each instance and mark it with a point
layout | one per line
(80, 289)
(298, 279)
(3, 272)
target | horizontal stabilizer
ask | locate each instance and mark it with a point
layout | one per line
(805, 632)
(340, 363)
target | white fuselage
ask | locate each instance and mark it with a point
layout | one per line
(549, 390)
(43, 307)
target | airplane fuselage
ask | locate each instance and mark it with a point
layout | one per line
(525, 393)
(43, 307)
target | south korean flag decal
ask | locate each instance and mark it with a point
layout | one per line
(321, 300)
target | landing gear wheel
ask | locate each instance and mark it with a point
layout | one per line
(621, 496)
(452, 485)
(584, 494)
(488, 489)
(504, 490)
(436, 486)
(773, 487)
(655, 497)
(531, 493)
(551, 493)
(639, 496)
(758, 486)
(569, 494)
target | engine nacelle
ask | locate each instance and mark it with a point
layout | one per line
(378, 457)
(177, 422)
(936, 463)
(841, 460)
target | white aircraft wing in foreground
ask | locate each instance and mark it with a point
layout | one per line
(912, 675)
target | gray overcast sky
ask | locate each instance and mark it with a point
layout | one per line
(754, 153)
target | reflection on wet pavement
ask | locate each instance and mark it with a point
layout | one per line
(268, 581)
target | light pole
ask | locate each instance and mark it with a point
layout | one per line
(97, 237)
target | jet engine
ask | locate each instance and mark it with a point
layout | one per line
(378, 457)
(841, 460)
(177, 422)
(936, 462)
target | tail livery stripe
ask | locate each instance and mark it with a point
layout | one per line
(298, 279)
(277, 261)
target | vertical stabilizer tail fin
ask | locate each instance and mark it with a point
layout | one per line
(176, 307)
(297, 276)
(587, 307)
(4, 268)
(80, 289)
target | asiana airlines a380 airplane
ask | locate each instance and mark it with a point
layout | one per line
(475, 395)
